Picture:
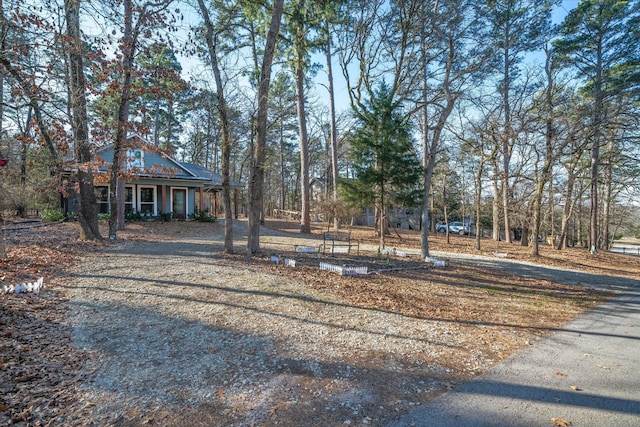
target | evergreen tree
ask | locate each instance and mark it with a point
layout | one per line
(386, 167)
(598, 38)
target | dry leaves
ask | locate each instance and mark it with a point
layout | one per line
(40, 371)
(561, 422)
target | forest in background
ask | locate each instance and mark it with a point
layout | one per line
(479, 111)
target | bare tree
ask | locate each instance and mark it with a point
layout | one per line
(211, 36)
(84, 200)
(135, 19)
(256, 175)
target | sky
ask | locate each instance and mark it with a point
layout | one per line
(193, 68)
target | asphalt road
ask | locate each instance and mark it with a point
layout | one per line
(587, 374)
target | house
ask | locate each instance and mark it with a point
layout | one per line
(156, 184)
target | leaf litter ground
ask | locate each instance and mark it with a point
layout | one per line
(477, 316)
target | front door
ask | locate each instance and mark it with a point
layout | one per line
(180, 203)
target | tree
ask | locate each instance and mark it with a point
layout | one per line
(517, 28)
(333, 132)
(211, 38)
(136, 19)
(550, 150)
(160, 86)
(283, 107)
(85, 205)
(451, 62)
(303, 27)
(597, 37)
(256, 176)
(386, 166)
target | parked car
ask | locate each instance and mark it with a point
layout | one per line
(455, 227)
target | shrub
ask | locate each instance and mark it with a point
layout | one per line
(204, 216)
(51, 215)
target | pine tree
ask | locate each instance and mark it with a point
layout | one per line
(386, 167)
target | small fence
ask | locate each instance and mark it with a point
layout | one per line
(343, 270)
(627, 250)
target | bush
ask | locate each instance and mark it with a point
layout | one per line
(132, 216)
(165, 217)
(104, 216)
(51, 215)
(204, 216)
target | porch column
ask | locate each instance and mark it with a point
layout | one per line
(164, 204)
(215, 203)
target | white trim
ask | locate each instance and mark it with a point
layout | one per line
(155, 199)
(186, 200)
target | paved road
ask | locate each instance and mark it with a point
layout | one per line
(588, 374)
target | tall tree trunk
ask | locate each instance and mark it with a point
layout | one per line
(567, 210)
(121, 192)
(595, 154)
(506, 141)
(122, 120)
(606, 202)
(428, 155)
(333, 131)
(283, 189)
(156, 123)
(305, 217)
(479, 201)
(496, 206)
(256, 176)
(224, 124)
(545, 174)
(430, 149)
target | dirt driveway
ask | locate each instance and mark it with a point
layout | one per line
(170, 331)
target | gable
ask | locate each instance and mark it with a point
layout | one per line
(144, 160)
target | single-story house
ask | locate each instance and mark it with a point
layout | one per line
(156, 184)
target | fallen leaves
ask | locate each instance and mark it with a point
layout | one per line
(575, 388)
(561, 422)
(40, 368)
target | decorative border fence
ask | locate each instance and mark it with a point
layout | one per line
(343, 270)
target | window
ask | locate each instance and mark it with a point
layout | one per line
(128, 200)
(135, 159)
(147, 198)
(102, 197)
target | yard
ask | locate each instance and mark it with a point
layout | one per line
(162, 327)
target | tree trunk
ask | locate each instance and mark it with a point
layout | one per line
(496, 208)
(478, 201)
(595, 155)
(545, 174)
(224, 124)
(333, 131)
(122, 120)
(567, 211)
(606, 202)
(305, 220)
(256, 175)
(283, 189)
(506, 141)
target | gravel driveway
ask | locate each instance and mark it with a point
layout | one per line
(181, 334)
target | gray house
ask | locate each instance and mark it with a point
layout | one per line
(156, 184)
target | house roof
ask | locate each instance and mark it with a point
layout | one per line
(181, 170)
(214, 178)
